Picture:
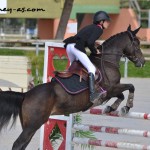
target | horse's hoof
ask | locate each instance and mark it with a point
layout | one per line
(108, 109)
(124, 110)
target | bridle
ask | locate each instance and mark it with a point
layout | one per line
(122, 54)
(134, 58)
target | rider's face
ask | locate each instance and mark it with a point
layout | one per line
(106, 24)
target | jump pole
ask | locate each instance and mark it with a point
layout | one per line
(112, 130)
(135, 115)
(110, 144)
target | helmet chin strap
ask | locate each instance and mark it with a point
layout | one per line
(101, 24)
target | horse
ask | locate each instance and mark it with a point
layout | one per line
(36, 105)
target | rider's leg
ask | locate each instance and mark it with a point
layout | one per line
(71, 56)
(75, 54)
(83, 58)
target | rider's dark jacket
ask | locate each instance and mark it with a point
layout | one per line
(86, 37)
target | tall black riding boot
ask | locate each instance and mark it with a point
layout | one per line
(94, 96)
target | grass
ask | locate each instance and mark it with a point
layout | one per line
(133, 71)
(12, 52)
(38, 62)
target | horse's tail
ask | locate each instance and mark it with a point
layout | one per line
(10, 106)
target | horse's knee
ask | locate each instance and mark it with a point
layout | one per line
(132, 88)
(116, 104)
(121, 96)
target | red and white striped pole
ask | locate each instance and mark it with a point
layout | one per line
(135, 115)
(112, 130)
(111, 144)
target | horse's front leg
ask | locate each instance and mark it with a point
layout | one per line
(129, 104)
(115, 105)
(117, 92)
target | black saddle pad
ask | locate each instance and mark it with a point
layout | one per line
(72, 84)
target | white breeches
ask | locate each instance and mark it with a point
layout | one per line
(75, 54)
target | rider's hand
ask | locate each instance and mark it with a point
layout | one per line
(98, 52)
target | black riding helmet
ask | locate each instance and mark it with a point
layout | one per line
(100, 16)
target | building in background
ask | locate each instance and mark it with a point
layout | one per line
(39, 19)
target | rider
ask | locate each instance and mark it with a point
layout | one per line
(86, 37)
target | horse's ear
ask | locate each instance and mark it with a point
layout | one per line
(129, 28)
(136, 31)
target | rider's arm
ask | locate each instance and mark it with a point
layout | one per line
(91, 41)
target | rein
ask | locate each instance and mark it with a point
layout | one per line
(132, 39)
(100, 58)
(121, 52)
(113, 54)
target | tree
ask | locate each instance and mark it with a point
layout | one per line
(64, 19)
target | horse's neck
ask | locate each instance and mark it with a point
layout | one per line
(101, 63)
(111, 53)
(111, 56)
(112, 49)
(110, 71)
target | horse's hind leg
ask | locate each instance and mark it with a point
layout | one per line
(24, 138)
(115, 105)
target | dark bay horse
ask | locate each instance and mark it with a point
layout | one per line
(35, 106)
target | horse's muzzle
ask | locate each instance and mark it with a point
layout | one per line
(139, 62)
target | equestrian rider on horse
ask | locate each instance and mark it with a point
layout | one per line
(86, 37)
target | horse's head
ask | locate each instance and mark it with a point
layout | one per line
(132, 50)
